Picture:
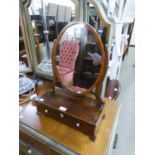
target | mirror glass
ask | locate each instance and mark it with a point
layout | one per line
(78, 58)
(48, 17)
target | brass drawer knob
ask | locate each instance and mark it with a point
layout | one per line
(29, 151)
(77, 124)
(46, 111)
(61, 115)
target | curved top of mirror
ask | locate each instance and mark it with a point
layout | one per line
(79, 60)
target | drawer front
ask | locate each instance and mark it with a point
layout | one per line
(73, 122)
(33, 142)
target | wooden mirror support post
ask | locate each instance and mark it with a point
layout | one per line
(77, 110)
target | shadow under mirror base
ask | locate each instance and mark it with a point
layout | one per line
(78, 112)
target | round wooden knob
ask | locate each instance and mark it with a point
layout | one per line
(29, 151)
(78, 124)
(61, 115)
(46, 111)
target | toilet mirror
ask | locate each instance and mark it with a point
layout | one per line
(78, 58)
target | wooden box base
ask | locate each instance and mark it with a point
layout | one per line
(80, 113)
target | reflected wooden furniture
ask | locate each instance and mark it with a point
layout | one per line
(39, 133)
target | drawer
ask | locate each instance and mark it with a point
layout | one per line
(33, 142)
(67, 119)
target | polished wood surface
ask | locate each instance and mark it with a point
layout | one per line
(67, 136)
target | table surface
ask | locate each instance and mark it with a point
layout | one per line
(69, 137)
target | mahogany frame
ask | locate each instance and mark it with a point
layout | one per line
(104, 64)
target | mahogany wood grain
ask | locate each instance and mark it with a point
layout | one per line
(79, 110)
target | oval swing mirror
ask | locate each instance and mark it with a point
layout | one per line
(79, 60)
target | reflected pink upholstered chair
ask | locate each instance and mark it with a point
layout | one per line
(69, 50)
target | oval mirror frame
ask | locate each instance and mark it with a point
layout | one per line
(104, 55)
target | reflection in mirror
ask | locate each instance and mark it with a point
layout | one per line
(48, 17)
(78, 58)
